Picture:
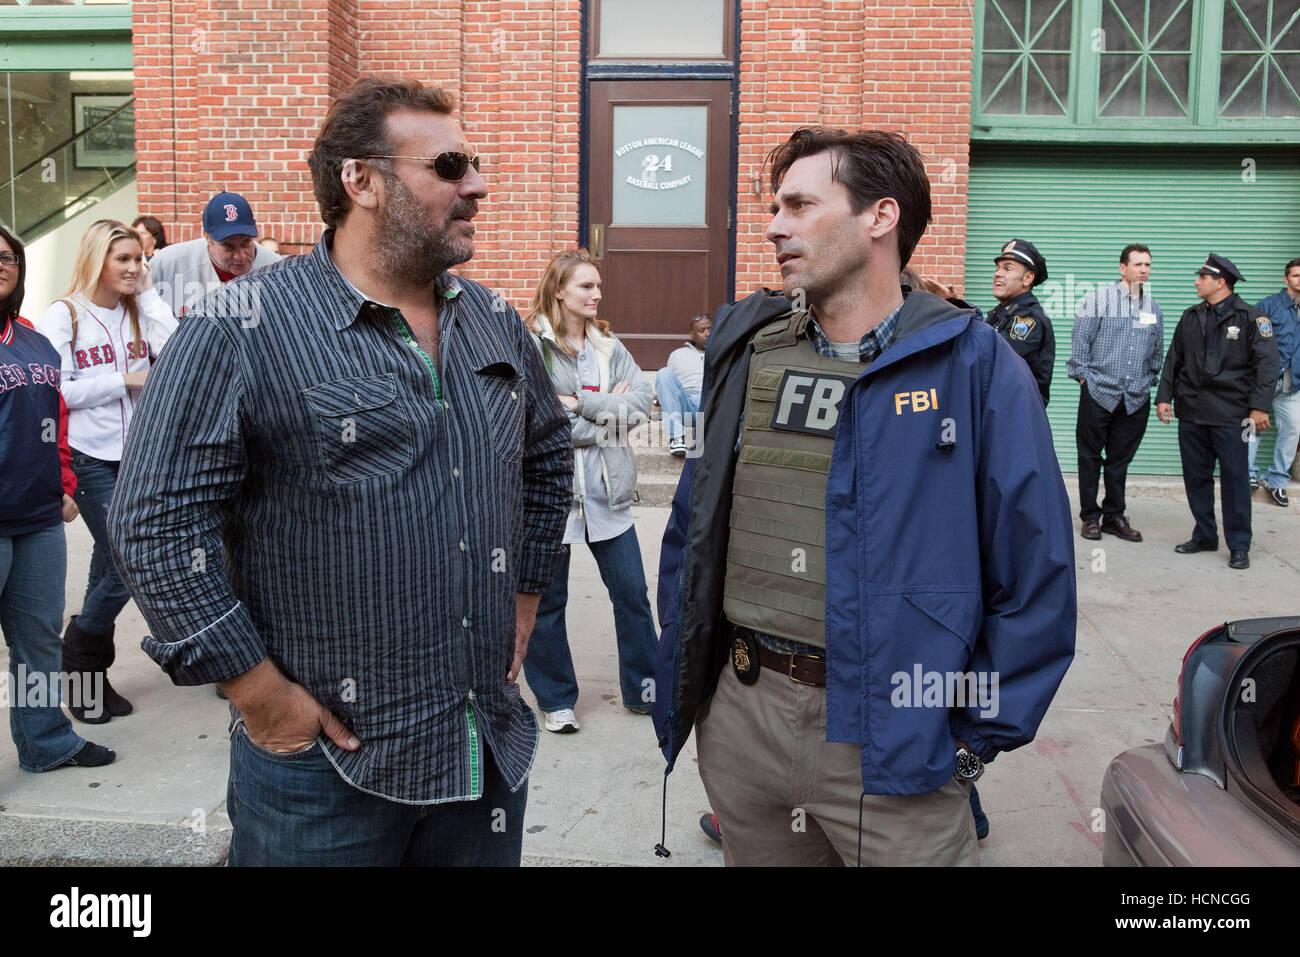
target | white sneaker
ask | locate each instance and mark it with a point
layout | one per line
(677, 447)
(563, 721)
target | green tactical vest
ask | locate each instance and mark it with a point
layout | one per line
(776, 556)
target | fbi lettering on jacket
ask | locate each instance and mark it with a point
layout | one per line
(921, 400)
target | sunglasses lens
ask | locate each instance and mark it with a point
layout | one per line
(453, 166)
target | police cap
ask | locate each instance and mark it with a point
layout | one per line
(1023, 251)
(1221, 268)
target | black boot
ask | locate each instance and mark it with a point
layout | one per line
(114, 703)
(85, 679)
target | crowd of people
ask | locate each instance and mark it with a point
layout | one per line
(349, 501)
(1228, 366)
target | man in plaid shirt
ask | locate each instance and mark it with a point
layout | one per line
(1118, 342)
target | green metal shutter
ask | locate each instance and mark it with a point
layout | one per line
(1081, 205)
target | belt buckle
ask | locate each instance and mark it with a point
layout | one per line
(790, 669)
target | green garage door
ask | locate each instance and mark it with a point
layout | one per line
(1081, 205)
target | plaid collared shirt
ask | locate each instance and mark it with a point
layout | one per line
(301, 483)
(871, 345)
(1117, 347)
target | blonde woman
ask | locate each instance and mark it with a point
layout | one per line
(107, 328)
(599, 385)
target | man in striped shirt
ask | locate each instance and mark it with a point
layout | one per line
(343, 505)
(1118, 342)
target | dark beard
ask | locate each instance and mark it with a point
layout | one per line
(409, 245)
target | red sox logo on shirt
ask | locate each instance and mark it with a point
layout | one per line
(231, 213)
(13, 375)
(105, 355)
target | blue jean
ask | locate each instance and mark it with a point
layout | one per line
(295, 810)
(106, 595)
(678, 405)
(1286, 419)
(549, 664)
(32, 572)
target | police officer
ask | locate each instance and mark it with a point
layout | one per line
(1019, 317)
(1220, 372)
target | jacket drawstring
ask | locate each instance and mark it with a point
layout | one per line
(660, 850)
(861, 801)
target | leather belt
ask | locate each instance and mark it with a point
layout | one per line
(801, 669)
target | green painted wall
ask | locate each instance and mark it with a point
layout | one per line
(1080, 205)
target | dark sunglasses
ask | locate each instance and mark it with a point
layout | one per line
(451, 166)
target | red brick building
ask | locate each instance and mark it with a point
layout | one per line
(638, 127)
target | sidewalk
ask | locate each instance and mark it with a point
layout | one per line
(595, 796)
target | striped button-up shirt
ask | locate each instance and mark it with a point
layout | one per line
(1117, 347)
(301, 483)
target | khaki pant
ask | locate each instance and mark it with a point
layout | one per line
(784, 795)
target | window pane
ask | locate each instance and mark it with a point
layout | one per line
(1117, 70)
(997, 34)
(1281, 101)
(996, 67)
(1237, 14)
(1290, 39)
(1119, 27)
(665, 28)
(660, 165)
(1171, 25)
(49, 109)
(1056, 69)
(1235, 66)
(1175, 68)
(1039, 71)
(1052, 17)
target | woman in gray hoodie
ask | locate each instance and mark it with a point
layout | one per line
(599, 385)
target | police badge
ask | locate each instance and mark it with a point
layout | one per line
(744, 655)
(1233, 332)
(1021, 327)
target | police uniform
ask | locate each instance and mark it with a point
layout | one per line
(1222, 363)
(1022, 321)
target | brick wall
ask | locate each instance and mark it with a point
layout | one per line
(850, 63)
(240, 108)
(251, 81)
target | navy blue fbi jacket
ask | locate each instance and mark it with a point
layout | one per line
(949, 545)
(31, 487)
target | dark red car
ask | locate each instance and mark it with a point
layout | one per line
(1224, 788)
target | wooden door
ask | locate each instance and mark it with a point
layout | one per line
(659, 161)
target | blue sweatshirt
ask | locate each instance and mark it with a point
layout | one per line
(31, 487)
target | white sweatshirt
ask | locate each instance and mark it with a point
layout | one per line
(183, 273)
(100, 405)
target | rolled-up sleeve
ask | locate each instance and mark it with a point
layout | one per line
(184, 459)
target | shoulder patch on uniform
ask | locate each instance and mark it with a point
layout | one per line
(1021, 327)
(1265, 326)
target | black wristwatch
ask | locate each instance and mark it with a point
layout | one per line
(969, 766)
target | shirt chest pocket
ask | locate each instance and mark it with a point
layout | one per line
(362, 431)
(504, 391)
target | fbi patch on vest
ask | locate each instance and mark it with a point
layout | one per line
(809, 402)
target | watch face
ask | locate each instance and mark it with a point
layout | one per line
(968, 764)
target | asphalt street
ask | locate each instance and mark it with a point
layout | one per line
(595, 796)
